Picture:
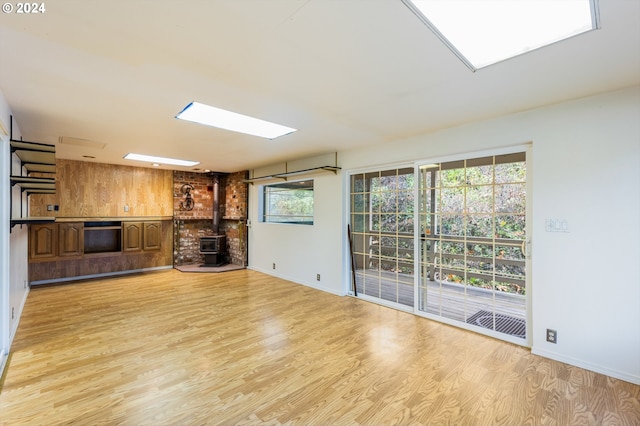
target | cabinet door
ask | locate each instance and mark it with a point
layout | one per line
(70, 239)
(42, 241)
(131, 236)
(152, 236)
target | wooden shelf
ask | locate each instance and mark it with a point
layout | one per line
(30, 191)
(34, 185)
(34, 157)
(94, 219)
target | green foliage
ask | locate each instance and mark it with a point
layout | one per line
(481, 201)
(289, 205)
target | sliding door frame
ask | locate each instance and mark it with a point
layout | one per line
(348, 280)
(526, 148)
(347, 264)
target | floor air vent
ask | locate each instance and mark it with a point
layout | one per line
(504, 323)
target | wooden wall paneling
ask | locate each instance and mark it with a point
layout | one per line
(38, 204)
(85, 189)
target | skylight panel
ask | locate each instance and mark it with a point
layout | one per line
(483, 32)
(161, 160)
(223, 119)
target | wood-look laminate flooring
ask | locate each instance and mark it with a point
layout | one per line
(172, 348)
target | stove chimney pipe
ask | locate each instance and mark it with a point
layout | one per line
(216, 204)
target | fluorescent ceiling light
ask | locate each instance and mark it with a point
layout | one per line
(160, 160)
(483, 32)
(216, 117)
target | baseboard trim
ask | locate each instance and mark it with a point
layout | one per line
(103, 275)
(18, 316)
(293, 280)
(588, 366)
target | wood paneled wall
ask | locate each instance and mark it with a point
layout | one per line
(85, 189)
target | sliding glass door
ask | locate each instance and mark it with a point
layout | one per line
(457, 252)
(472, 218)
(382, 231)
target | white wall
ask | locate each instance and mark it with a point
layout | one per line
(13, 243)
(586, 170)
(300, 252)
(4, 237)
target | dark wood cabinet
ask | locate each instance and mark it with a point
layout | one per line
(132, 236)
(97, 246)
(152, 236)
(70, 239)
(50, 242)
(141, 236)
(43, 239)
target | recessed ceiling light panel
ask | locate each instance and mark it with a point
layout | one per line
(483, 32)
(160, 160)
(223, 119)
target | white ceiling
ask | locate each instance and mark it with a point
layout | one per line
(346, 73)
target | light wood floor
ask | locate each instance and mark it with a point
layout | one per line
(173, 348)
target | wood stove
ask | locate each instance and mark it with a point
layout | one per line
(214, 249)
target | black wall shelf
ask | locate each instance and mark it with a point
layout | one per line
(34, 157)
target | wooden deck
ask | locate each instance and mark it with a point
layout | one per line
(446, 299)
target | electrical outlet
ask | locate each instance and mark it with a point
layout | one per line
(274, 266)
(49, 207)
(552, 336)
(126, 208)
(317, 277)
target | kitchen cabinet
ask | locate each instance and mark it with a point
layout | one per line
(141, 236)
(43, 240)
(132, 236)
(70, 239)
(90, 247)
(151, 236)
(52, 240)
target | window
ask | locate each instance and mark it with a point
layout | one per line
(290, 202)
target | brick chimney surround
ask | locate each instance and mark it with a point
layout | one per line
(191, 225)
